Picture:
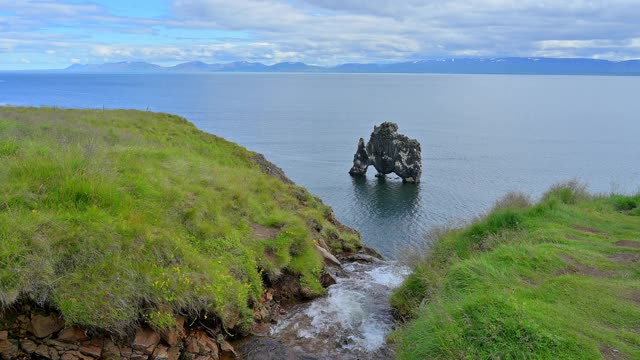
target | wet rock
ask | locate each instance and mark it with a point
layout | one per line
(145, 340)
(43, 326)
(361, 258)
(360, 160)
(389, 152)
(72, 335)
(327, 280)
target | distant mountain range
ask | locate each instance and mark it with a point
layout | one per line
(511, 65)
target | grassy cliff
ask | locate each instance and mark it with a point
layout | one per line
(559, 279)
(117, 217)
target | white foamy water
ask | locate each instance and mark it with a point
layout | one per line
(352, 321)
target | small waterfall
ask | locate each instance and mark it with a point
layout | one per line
(351, 322)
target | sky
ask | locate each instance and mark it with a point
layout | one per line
(47, 34)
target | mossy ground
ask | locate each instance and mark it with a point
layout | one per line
(556, 280)
(113, 217)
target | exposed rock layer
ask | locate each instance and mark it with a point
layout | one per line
(37, 333)
(389, 152)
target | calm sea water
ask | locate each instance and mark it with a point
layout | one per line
(482, 135)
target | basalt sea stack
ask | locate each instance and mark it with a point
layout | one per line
(389, 152)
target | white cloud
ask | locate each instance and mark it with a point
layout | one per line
(343, 30)
(49, 8)
(329, 31)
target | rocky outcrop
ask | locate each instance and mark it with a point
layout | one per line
(270, 168)
(389, 152)
(36, 333)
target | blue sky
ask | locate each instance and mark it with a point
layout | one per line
(43, 34)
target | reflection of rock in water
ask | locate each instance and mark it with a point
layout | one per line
(381, 208)
(389, 152)
(385, 197)
(350, 323)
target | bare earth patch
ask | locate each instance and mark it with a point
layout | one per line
(263, 232)
(625, 258)
(591, 230)
(635, 297)
(581, 269)
(628, 243)
(611, 353)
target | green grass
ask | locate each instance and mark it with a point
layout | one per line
(117, 217)
(542, 281)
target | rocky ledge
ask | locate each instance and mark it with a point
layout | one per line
(35, 332)
(38, 333)
(389, 152)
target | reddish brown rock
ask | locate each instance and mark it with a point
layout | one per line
(126, 352)
(43, 326)
(200, 343)
(161, 353)
(92, 350)
(146, 340)
(4, 335)
(136, 355)
(174, 335)
(8, 350)
(72, 335)
(174, 353)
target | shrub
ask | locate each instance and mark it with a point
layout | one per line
(570, 192)
(513, 200)
(626, 203)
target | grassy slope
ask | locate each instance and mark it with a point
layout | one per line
(117, 216)
(547, 281)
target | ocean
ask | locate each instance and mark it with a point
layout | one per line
(482, 136)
